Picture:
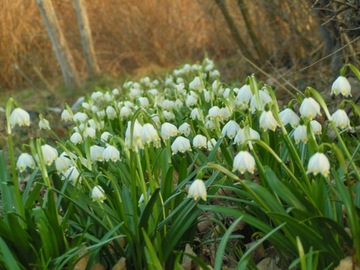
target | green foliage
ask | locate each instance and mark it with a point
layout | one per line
(132, 194)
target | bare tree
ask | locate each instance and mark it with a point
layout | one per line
(61, 49)
(86, 38)
(234, 31)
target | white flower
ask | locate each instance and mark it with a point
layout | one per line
(115, 92)
(197, 189)
(309, 108)
(24, 161)
(89, 132)
(185, 129)
(133, 137)
(341, 119)
(97, 96)
(105, 136)
(168, 130)
(168, 115)
(191, 100)
(243, 97)
(258, 104)
(341, 86)
(49, 154)
(195, 114)
(196, 84)
(149, 134)
(168, 104)
(300, 134)
(243, 162)
(209, 124)
(76, 138)
(225, 113)
(125, 112)
(230, 129)
(144, 102)
(72, 174)
(267, 121)
(19, 117)
(315, 127)
(180, 144)
(214, 112)
(95, 108)
(200, 141)
(288, 116)
(211, 144)
(246, 133)
(110, 112)
(62, 163)
(111, 153)
(80, 117)
(43, 123)
(98, 194)
(66, 116)
(96, 153)
(319, 163)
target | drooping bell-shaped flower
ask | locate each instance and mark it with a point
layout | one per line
(300, 134)
(288, 116)
(341, 86)
(111, 153)
(341, 119)
(133, 136)
(309, 108)
(244, 95)
(49, 153)
(149, 135)
(258, 103)
(19, 117)
(66, 116)
(76, 138)
(246, 133)
(168, 130)
(43, 123)
(316, 127)
(96, 153)
(243, 162)
(197, 190)
(230, 129)
(211, 144)
(180, 144)
(105, 136)
(72, 174)
(98, 194)
(110, 112)
(80, 117)
(268, 121)
(62, 163)
(319, 163)
(185, 129)
(24, 161)
(200, 141)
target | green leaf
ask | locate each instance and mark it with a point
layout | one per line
(223, 243)
(151, 255)
(7, 258)
(282, 190)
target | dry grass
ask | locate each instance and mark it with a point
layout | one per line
(149, 36)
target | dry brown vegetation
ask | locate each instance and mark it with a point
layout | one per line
(137, 37)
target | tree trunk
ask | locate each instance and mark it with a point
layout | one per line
(86, 39)
(61, 49)
(234, 31)
(260, 50)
